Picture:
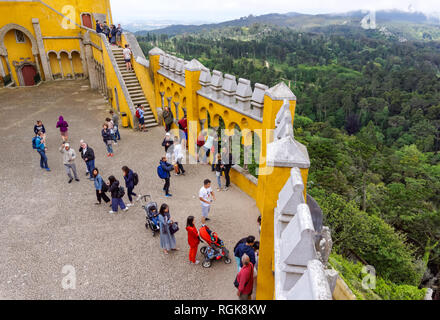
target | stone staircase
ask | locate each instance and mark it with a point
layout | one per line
(134, 88)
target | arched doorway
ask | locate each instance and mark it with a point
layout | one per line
(28, 73)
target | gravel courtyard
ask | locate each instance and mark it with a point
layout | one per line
(47, 224)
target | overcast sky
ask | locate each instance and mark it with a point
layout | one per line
(222, 10)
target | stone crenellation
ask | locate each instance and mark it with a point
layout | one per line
(224, 89)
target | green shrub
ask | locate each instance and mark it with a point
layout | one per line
(352, 274)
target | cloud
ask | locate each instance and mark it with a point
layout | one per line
(220, 10)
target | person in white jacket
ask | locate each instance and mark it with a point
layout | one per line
(178, 156)
(69, 157)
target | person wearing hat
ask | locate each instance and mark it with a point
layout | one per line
(69, 157)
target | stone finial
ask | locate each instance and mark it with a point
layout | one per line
(216, 83)
(161, 60)
(229, 88)
(194, 65)
(281, 92)
(285, 128)
(257, 100)
(287, 153)
(172, 66)
(205, 80)
(313, 285)
(179, 66)
(298, 239)
(166, 61)
(244, 94)
(325, 245)
(291, 196)
(156, 52)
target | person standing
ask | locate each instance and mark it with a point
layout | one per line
(245, 279)
(168, 119)
(69, 157)
(168, 144)
(127, 57)
(113, 33)
(193, 240)
(206, 197)
(88, 155)
(39, 127)
(164, 170)
(115, 191)
(167, 240)
(107, 138)
(100, 186)
(228, 163)
(40, 146)
(178, 156)
(246, 248)
(183, 126)
(207, 147)
(219, 167)
(106, 29)
(98, 27)
(129, 183)
(115, 119)
(140, 116)
(63, 126)
(119, 35)
(111, 127)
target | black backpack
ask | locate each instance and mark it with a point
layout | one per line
(135, 179)
(121, 192)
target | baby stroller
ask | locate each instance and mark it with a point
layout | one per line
(215, 249)
(152, 213)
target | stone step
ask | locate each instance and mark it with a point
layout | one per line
(138, 95)
(134, 90)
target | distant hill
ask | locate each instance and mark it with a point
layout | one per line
(393, 23)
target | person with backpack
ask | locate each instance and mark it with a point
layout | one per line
(107, 138)
(100, 186)
(245, 279)
(167, 238)
(245, 248)
(193, 240)
(140, 116)
(117, 193)
(39, 144)
(63, 126)
(88, 155)
(163, 171)
(131, 180)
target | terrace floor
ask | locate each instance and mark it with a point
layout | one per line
(47, 223)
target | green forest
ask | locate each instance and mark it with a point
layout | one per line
(368, 110)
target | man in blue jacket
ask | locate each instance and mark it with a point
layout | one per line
(246, 248)
(166, 167)
(40, 141)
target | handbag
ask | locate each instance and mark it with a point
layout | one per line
(174, 227)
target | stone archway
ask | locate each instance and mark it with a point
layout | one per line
(19, 65)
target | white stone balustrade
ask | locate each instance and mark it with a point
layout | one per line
(313, 285)
(291, 196)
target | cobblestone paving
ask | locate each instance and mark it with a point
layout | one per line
(47, 223)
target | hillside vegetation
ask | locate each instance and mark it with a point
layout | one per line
(369, 113)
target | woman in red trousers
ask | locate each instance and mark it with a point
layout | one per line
(193, 240)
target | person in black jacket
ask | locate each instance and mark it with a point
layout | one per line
(228, 162)
(116, 195)
(107, 138)
(129, 183)
(88, 155)
(39, 127)
(246, 247)
(166, 167)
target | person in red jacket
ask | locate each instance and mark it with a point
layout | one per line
(193, 240)
(245, 279)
